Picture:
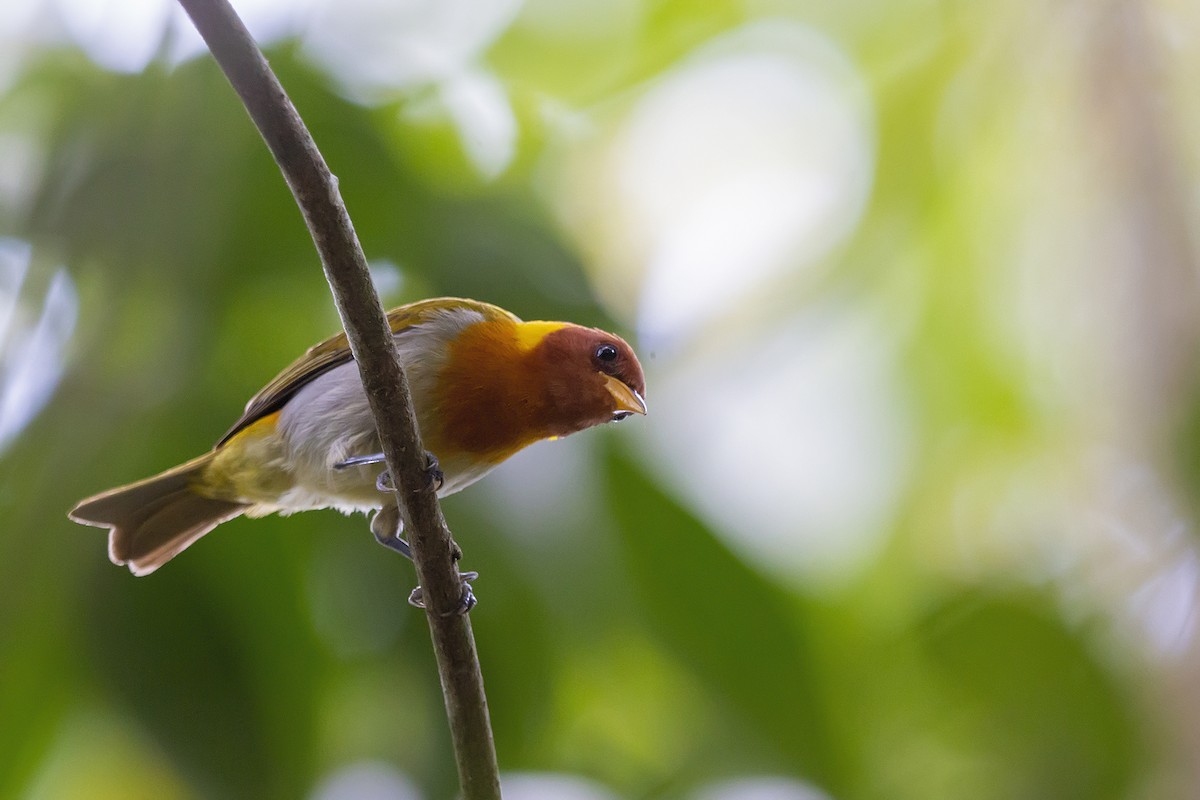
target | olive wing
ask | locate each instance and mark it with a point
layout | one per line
(334, 351)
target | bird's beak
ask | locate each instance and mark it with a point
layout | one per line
(628, 401)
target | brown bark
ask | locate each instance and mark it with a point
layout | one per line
(316, 191)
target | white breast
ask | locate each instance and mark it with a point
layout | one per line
(329, 420)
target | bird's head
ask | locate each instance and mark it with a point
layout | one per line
(590, 377)
(506, 384)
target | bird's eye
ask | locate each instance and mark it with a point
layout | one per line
(606, 352)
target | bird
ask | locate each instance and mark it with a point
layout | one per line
(484, 384)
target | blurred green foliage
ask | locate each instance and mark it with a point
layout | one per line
(636, 647)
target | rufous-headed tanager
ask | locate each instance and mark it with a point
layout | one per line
(484, 385)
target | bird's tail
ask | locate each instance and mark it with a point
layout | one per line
(153, 520)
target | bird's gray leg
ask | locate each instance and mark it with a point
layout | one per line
(386, 526)
(359, 461)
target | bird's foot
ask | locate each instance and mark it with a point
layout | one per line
(433, 470)
(386, 526)
(384, 482)
(465, 603)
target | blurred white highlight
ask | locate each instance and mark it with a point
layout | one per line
(31, 351)
(120, 35)
(794, 445)
(126, 35)
(1137, 550)
(379, 51)
(1167, 605)
(387, 276)
(534, 786)
(376, 48)
(760, 789)
(477, 103)
(752, 161)
(735, 173)
(366, 780)
(746, 163)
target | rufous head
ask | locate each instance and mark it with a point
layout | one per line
(591, 377)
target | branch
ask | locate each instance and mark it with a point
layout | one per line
(316, 192)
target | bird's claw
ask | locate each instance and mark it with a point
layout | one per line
(386, 527)
(437, 478)
(384, 482)
(465, 603)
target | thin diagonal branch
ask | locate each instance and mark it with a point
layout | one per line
(316, 191)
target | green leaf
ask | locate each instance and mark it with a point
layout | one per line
(1033, 705)
(740, 633)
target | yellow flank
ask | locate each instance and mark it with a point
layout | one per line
(530, 334)
(260, 427)
(246, 468)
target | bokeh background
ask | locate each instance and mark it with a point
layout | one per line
(914, 512)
